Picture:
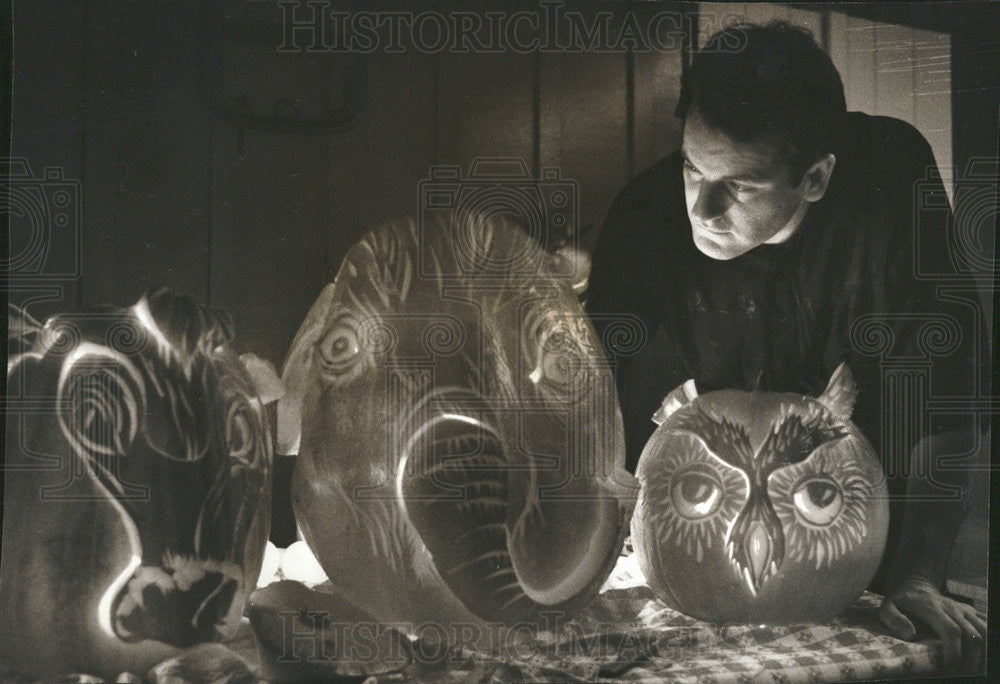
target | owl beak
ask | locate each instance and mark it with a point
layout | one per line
(759, 551)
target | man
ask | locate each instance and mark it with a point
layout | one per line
(755, 253)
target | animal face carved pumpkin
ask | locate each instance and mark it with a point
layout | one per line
(761, 507)
(461, 452)
(137, 495)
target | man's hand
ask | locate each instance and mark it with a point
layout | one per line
(961, 627)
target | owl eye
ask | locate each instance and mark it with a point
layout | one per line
(339, 350)
(818, 501)
(696, 493)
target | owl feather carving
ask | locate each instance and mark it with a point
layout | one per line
(768, 486)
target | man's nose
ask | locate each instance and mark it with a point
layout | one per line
(711, 202)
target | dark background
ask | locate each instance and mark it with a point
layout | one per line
(211, 162)
(201, 157)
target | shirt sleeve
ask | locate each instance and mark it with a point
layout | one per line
(923, 337)
(622, 295)
(938, 319)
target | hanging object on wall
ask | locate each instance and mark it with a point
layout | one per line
(761, 507)
(460, 449)
(137, 494)
(252, 80)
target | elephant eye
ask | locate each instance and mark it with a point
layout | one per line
(339, 350)
(696, 493)
(559, 360)
(818, 501)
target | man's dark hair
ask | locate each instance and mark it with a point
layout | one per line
(770, 83)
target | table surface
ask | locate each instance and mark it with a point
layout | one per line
(626, 634)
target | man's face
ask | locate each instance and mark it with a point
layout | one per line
(739, 195)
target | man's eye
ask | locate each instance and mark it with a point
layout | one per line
(740, 188)
(689, 169)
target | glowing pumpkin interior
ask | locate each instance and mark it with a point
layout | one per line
(137, 503)
(761, 507)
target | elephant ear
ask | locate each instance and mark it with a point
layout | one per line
(189, 327)
(22, 336)
(264, 377)
(298, 371)
(503, 551)
(104, 395)
(20, 324)
(572, 263)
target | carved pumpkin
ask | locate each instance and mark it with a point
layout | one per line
(761, 507)
(137, 494)
(461, 452)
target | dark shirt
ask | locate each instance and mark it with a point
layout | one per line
(782, 317)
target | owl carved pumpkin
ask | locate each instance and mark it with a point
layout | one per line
(761, 507)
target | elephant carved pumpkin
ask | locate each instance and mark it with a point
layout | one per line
(460, 450)
(137, 493)
(761, 506)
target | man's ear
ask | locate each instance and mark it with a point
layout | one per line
(817, 177)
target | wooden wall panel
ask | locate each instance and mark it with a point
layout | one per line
(932, 92)
(858, 74)
(894, 72)
(485, 107)
(375, 165)
(46, 133)
(657, 128)
(837, 47)
(811, 19)
(485, 112)
(146, 159)
(897, 71)
(657, 78)
(887, 69)
(583, 127)
(713, 17)
(270, 214)
(227, 215)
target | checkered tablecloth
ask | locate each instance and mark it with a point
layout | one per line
(627, 634)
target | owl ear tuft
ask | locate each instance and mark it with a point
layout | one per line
(840, 392)
(679, 396)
